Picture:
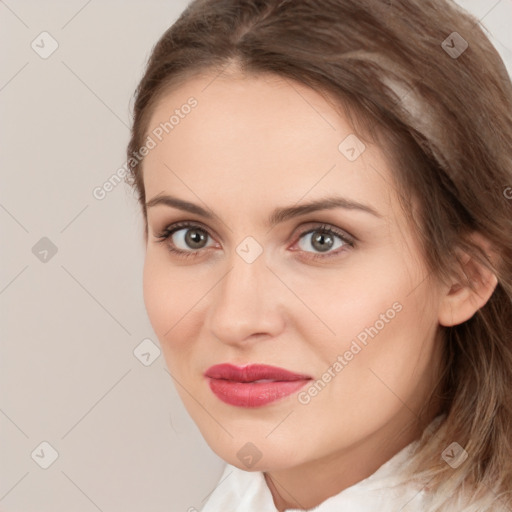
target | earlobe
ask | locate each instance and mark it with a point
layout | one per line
(462, 299)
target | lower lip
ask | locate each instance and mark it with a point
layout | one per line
(253, 394)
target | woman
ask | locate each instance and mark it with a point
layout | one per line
(326, 195)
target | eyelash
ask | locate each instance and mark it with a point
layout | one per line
(324, 228)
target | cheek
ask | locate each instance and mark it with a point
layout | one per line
(156, 296)
(375, 377)
(172, 297)
(379, 318)
(352, 299)
(387, 352)
(165, 297)
(160, 299)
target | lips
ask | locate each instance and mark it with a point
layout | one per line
(252, 373)
(253, 385)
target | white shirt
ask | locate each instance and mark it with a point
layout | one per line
(245, 491)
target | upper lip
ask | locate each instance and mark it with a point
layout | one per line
(252, 372)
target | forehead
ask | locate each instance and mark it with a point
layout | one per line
(259, 138)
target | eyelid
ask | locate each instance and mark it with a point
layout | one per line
(300, 230)
(320, 226)
(173, 227)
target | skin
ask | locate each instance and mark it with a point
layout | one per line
(252, 144)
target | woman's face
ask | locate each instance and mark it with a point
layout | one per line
(353, 309)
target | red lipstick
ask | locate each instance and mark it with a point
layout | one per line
(253, 385)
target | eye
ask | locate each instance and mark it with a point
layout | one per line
(186, 238)
(324, 239)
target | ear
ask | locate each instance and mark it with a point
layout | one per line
(460, 301)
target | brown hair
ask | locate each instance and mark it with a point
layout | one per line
(444, 117)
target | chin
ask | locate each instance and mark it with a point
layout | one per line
(257, 455)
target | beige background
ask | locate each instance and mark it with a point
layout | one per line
(70, 321)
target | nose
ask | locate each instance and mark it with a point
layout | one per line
(247, 304)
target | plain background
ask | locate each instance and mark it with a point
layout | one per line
(72, 320)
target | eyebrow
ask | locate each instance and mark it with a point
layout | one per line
(279, 215)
